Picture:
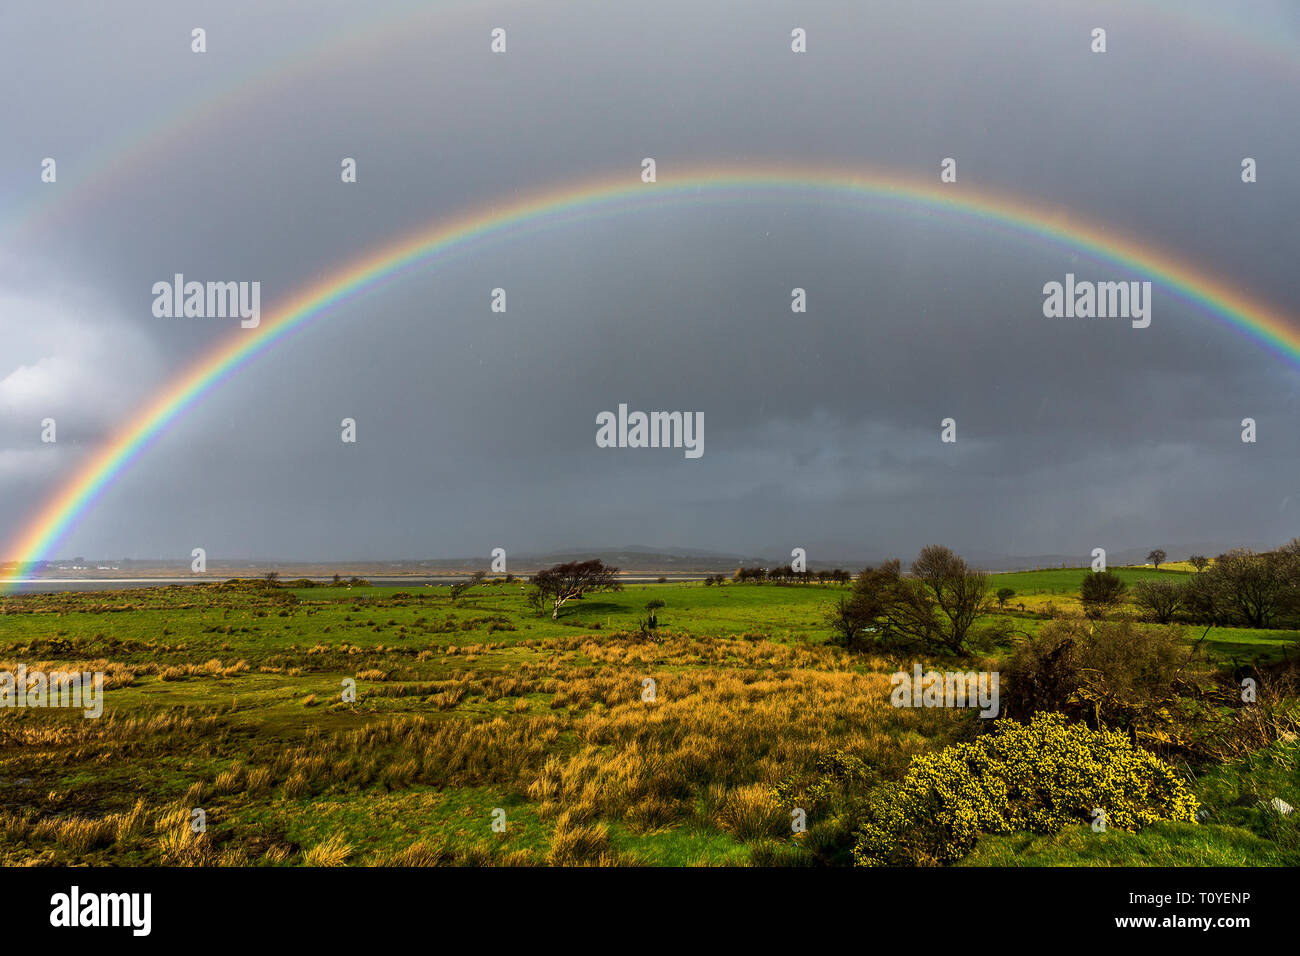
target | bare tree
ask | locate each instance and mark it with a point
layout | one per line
(960, 593)
(1199, 561)
(936, 606)
(1160, 599)
(1157, 557)
(556, 586)
(1252, 586)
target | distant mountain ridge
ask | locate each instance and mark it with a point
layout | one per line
(631, 558)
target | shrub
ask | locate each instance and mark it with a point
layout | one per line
(1043, 673)
(834, 795)
(1119, 672)
(1131, 672)
(848, 618)
(1101, 591)
(1041, 777)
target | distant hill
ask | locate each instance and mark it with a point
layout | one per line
(629, 558)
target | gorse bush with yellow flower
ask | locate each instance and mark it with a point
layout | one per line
(1043, 777)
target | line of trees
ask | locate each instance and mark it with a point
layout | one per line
(1240, 587)
(787, 574)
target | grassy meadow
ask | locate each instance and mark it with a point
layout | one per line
(483, 733)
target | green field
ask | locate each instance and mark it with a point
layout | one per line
(229, 700)
(1065, 581)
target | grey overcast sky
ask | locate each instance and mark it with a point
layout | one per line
(477, 429)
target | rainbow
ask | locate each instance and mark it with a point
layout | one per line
(409, 21)
(577, 202)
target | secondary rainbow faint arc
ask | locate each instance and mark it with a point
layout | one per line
(566, 203)
(150, 146)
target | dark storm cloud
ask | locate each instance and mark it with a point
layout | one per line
(821, 430)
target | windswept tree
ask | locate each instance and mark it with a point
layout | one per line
(1157, 557)
(557, 585)
(650, 623)
(460, 588)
